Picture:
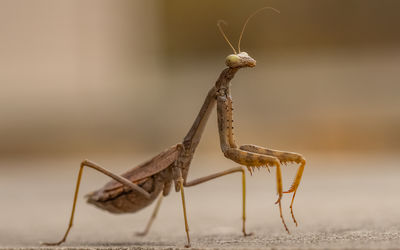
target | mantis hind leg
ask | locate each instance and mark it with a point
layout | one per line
(87, 163)
(152, 218)
(283, 157)
(166, 190)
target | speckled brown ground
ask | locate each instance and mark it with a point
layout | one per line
(344, 202)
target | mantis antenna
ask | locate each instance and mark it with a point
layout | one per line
(248, 19)
(223, 33)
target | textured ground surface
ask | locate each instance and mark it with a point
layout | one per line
(343, 202)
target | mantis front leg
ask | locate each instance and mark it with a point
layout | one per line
(283, 157)
(250, 159)
(230, 150)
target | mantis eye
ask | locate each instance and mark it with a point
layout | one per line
(232, 60)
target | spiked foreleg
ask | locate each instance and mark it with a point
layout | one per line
(283, 158)
(252, 160)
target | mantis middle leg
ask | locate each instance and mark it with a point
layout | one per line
(166, 190)
(118, 178)
(220, 174)
(283, 158)
(180, 179)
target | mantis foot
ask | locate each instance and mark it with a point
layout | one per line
(141, 234)
(247, 234)
(280, 211)
(292, 190)
(52, 243)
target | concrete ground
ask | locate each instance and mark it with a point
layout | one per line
(344, 202)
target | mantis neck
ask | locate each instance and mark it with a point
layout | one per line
(193, 137)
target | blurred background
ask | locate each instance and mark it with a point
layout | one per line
(125, 76)
(119, 81)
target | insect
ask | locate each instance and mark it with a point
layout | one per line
(140, 186)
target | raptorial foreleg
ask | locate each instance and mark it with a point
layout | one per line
(283, 157)
(252, 160)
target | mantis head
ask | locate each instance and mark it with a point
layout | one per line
(240, 59)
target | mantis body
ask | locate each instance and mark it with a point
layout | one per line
(140, 186)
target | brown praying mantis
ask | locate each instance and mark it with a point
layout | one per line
(140, 186)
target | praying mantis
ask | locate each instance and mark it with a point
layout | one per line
(140, 186)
